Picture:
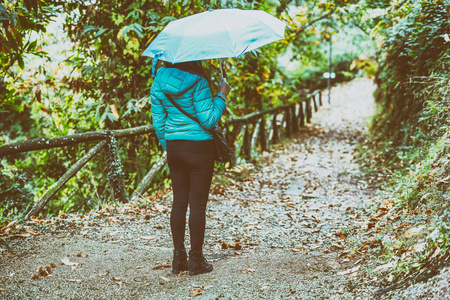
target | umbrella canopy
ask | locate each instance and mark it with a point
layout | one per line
(215, 34)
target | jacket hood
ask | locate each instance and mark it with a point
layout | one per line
(174, 81)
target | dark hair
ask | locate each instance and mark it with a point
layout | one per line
(194, 67)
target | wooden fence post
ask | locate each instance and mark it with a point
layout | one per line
(315, 104)
(320, 98)
(274, 129)
(308, 110)
(247, 143)
(262, 134)
(287, 116)
(301, 114)
(115, 170)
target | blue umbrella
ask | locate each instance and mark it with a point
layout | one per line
(215, 34)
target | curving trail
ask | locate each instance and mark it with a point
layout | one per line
(276, 229)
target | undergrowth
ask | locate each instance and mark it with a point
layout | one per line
(410, 139)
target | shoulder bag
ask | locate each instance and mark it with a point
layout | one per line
(222, 149)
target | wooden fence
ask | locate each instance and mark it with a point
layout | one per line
(285, 119)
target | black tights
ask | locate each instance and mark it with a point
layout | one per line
(191, 165)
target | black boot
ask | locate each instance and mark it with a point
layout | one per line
(179, 263)
(197, 264)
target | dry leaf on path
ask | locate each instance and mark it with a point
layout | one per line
(298, 250)
(22, 235)
(195, 292)
(349, 271)
(164, 278)
(248, 271)
(3, 289)
(161, 267)
(412, 231)
(147, 238)
(66, 262)
(103, 274)
(420, 247)
(117, 280)
(385, 267)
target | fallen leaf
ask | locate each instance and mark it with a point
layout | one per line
(385, 267)
(195, 292)
(147, 238)
(79, 254)
(161, 208)
(117, 279)
(248, 271)
(3, 289)
(158, 226)
(237, 246)
(420, 247)
(74, 280)
(436, 252)
(291, 291)
(103, 274)
(66, 262)
(412, 231)
(148, 216)
(349, 271)
(252, 244)
(161, 267)
(164, 278)
(337, 246)
(226, 245)
(298, 250)
(22, 235)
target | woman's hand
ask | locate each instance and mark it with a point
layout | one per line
(224, 87)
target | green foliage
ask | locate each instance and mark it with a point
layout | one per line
(15, 192)
(410, 139)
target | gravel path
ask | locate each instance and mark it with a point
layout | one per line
(276, 229)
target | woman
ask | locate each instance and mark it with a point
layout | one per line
(190, 152)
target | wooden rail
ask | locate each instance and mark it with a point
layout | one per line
(254, 128)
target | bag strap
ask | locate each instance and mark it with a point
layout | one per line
(184, 112)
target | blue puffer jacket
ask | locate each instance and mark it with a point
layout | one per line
(193, 94)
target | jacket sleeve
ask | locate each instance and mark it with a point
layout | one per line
(159, 116)
(209, 109)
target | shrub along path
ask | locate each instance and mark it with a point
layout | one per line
(278, 228)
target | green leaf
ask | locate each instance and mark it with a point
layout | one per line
(99, 33)
(138, 29)
(4, 15)
(20, 62)
(89, 28)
